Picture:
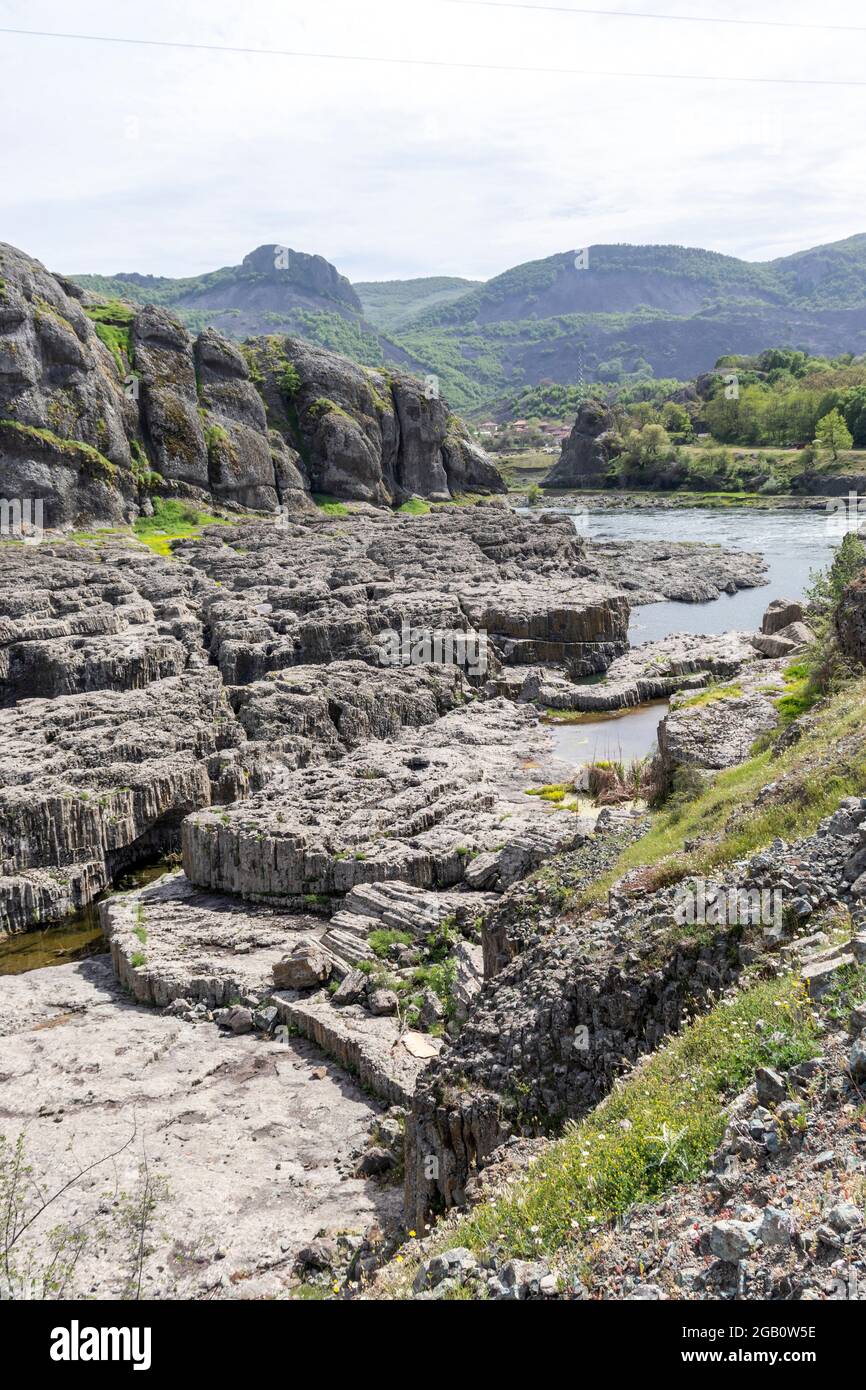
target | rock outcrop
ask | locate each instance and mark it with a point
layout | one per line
(717, 729)
(103, 405)
(64, 421)
(334, 592)
(585, 455)
(651, 671)
(575, 1009)
(851, 622)
(367, 434)
(403, 810)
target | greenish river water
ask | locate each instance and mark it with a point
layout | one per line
(72, 939)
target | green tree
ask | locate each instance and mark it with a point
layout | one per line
(832, 433)
(854, 410)
(654, 442)
(827, 586)
(676, 419)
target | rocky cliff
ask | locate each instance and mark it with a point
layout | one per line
(587, 451)
(103, 405)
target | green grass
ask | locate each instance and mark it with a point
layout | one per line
(172, 521)
(724, 821)
(711, 695)
(800, 694)
(657, 1129)
(416, 506)
(112, 321)
(331, 506)
(382, 939)
(555, 791)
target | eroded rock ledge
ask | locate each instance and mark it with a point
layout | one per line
(122, 725)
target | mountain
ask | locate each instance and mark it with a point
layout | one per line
(393, 304)
(273, 290)
(667, 311)
(630, 312)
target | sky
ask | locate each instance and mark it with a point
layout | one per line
(175, 161)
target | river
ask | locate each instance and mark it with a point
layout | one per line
(793, 543)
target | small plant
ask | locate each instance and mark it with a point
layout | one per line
(381, 940)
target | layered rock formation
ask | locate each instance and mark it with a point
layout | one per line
(329, 592)
(651, 671)
(578, 1004)
(371, 435)
(103, 405)
(406, 809)
(336, 641)
(585, 455)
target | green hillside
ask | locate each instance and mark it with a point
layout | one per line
(632, 314)
(393, 304)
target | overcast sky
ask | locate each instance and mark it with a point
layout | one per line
(175, 162)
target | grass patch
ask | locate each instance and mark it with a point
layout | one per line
(555, 791)
(726, 821)
(331, 506)
(381, 940)
(657, 1129)
(172, 521)
(801, 692)
(112, 322)
(711, 695)
(415, 506)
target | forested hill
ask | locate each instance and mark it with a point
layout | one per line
(630, 313)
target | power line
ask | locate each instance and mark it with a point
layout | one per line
(675, 18)
(440, 63)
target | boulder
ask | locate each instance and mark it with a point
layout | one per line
(382, 1003)
(784, 641)
(375, 1162)
(731, 1240)
(319, 1255)
(770, 1086)
(305, 968)
(780, 613)
(857, 1059)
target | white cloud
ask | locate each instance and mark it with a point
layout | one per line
(174, 162)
